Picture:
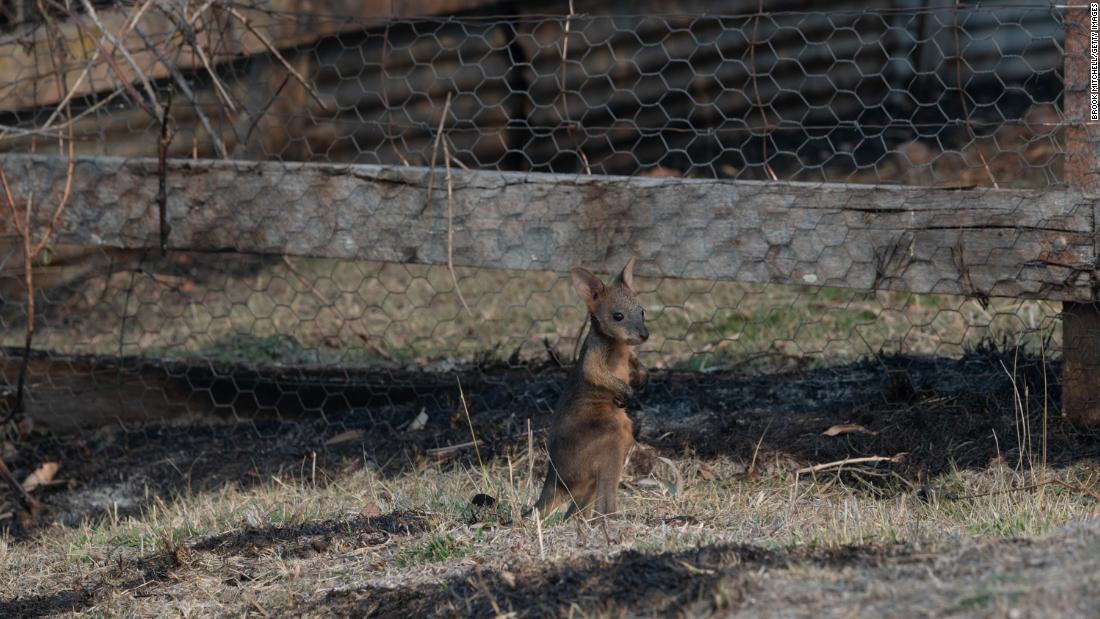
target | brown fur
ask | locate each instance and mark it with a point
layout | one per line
(590, 434)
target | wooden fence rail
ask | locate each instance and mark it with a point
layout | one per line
(978, 242)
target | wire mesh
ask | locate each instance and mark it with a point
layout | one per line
(950, 97)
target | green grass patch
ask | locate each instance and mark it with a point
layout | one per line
(436, 549)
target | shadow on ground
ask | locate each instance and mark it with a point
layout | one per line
(629, 583)
(1055, 577)
(136, 576)
(940, 412)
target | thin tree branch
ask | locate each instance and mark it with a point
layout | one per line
(275, 52)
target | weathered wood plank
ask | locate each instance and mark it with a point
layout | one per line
(28, 78)
(1080, 321)
(987, 242)
(1081, 362)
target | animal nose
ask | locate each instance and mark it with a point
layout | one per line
(644, 335)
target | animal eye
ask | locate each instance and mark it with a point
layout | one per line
(618, 316)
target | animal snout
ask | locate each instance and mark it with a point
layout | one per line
(643, 335)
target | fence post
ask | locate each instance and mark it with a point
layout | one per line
(1080, 321)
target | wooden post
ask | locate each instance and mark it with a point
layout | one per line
(1080, 321)
(1081, 362)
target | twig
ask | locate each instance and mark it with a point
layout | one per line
(186, 28)
(538, 529)
(1043, 352)
(263, 110)
(469, 422)
(442, 451)
(579, 339)
(1092, 494)
(962, 97)
(156, 111)
(376, 347)
(9, 132)
(455, 160)
(162, 177)
(552, 353)
(435, 152)
(184, 88)
(30, 504)
(1050, 482)
(839, 463)
(30, 251)
(756, 452)
(451, 229)
(530, 457)
(305, 282)
(275, 52)
(55, 221)
(980, 495)
(385, 88)
(129, 25)
(756, 90)
(567, 117)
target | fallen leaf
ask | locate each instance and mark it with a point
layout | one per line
(705, 472)
(344, 437)
(676, 486)
(508, 577)
(370, 510)
(420, 421)
(847, 428)
(41, 476)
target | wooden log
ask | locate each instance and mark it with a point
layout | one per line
(982, 242)
(1080, 321)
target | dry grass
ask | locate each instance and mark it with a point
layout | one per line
(774, 510)
(326, 311)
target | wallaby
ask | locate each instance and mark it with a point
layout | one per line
(590, 434)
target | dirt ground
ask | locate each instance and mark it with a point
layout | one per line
(953, 425)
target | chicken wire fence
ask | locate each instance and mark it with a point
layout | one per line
(912, 94)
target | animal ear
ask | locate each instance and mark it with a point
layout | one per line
(588, 286)
(626, 278)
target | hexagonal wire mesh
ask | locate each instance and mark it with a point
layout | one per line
(915, 96)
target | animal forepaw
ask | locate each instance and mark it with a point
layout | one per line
(622, 398)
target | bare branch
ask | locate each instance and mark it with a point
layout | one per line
(55, 221)
(11, 203)
(8, 132)
(435, 150)
(130, 23)
(130, 59)
(110, 59)
(185, 27)
(181, 83)
(847, 461)
(275, 52)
